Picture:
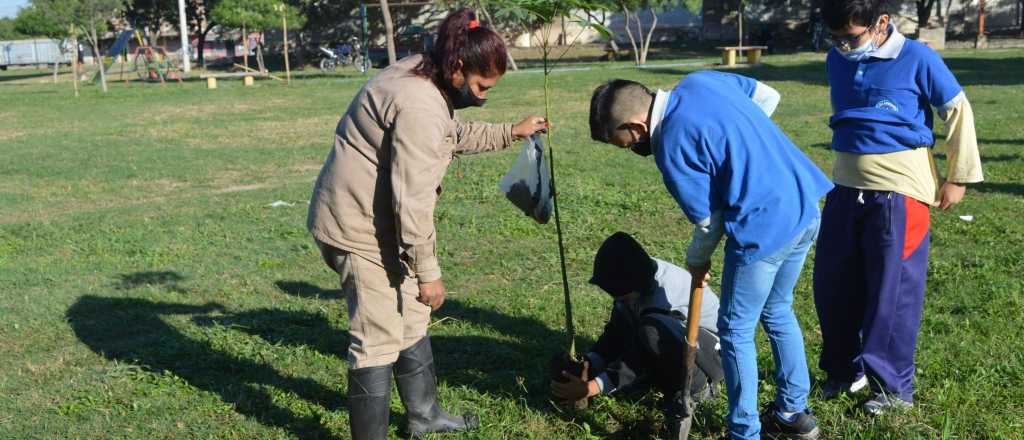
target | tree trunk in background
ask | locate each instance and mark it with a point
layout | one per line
(1020, 15)
(640, 35)
(490, 22)
(245, 44)
(201, 45)
(259, 54)
(739, 20)
(650, 35)
(924, 13)
(74, 59)
(94, 40)
(56, 69)
(629, 33)
(389, 29)
(981, 42)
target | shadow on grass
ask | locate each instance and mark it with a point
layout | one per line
(1001, 142)
(21, 76)
(168, 279)
(303, 289)
(135, 331)
(1013, 189)
(513, 366)
(988, 158)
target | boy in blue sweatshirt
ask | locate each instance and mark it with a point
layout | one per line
(872, 258)
(734, 173)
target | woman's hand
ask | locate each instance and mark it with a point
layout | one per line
(527, 127)
(432, 294)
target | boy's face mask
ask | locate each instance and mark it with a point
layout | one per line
(860, 53)
(863, 51)
(642, 147)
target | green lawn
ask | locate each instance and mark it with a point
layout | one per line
(148, 290)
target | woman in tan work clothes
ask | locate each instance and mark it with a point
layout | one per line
(372, 214)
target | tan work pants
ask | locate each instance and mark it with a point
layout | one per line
(384, 316)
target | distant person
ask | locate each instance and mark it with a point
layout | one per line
(644, 340)
(372, 215)
(733, 172)
(872, 257)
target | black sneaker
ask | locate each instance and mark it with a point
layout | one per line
(803, 425)
(832, 389)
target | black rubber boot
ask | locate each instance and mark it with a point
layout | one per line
(417, 385)
(369, 393)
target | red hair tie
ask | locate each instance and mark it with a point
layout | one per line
(473, 24)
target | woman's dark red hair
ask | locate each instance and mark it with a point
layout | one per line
(461, 37)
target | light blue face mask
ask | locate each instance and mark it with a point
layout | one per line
(861, 53)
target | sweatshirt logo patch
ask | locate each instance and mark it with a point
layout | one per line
(887, 104)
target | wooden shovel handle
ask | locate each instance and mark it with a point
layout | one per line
(693, 315)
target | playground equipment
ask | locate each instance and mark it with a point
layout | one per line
(151, 63)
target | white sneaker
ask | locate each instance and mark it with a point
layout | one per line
(832, 389)
(883, 403)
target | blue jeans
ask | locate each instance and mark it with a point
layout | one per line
(763, 289)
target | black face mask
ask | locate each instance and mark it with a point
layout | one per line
(463, 97)
(642, 148)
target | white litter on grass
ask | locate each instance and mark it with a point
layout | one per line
(280, 203)
(967, 218)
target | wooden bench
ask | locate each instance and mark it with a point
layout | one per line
(753, 54)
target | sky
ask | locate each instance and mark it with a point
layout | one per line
(9, 8)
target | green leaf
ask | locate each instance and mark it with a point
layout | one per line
(600, 28)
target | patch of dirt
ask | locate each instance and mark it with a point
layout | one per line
(10, 134)
(240, 188)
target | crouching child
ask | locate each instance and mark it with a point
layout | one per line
(643, 343)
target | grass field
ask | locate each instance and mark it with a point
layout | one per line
(148, 290)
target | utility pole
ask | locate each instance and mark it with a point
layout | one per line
(183, 30)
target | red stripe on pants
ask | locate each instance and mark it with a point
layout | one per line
(916, 226)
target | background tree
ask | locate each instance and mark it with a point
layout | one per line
(7, 29)
(924, 12)
(83, 17)
(31, 22)
(258, 15)
(200, 22)
(150, 16)
(632, 9)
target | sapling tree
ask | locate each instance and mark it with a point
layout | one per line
(88, 18)
(540, 15)
(258, 15)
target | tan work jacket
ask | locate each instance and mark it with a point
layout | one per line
(376, 193)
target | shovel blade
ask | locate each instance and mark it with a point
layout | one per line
(681, 430)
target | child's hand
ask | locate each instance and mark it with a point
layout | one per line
(574, 388)
(700, 272)
(950, 194)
